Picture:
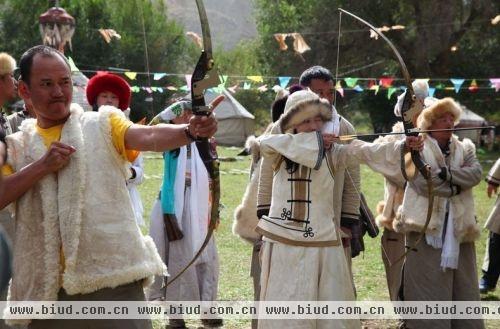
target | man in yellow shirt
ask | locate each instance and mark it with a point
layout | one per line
(66, 173)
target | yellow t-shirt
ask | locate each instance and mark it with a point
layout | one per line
(119, 127)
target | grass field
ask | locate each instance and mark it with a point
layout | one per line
(235, 283)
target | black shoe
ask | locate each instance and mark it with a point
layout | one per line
(212, 323)
(484, 287)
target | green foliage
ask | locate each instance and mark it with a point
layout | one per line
(167, 48)
(431, 28)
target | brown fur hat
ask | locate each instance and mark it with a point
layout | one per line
(303, 105)
(436, 110)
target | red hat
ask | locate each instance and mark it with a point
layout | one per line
(105, 81)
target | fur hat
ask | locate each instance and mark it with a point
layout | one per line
(106, 81)
(303, 105)
(436, 110)
(421, 89)
(7, 64)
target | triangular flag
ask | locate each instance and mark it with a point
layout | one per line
(223, 80)
(184, 88)
(495, 83)
(158, 76)
(473, 86)
(246, 85)
(350, 82)
(160, 89)
(376, 88)
(262, 88)
(131, 75)
(255, 78)
(188, 80)
(72, 65)
(386, 82)
(457, 83)
(284, 81)
(371, 83)
(233, 88)
(154, 89)
(338, 87)
(172, 88)
(358, 88)
(135, 89)
(390, 91)
(431, 91)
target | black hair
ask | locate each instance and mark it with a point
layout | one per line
(315, 72)
(26, 61)
(277, 108)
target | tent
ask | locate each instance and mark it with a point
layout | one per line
(235, 123)
(470, 119)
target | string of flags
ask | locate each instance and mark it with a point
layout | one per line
(273, 83)
(354, 84)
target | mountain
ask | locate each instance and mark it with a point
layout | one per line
(230, 20)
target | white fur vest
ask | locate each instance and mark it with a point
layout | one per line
(414, 208)
(85, 208)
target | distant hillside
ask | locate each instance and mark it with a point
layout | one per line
(230, 20)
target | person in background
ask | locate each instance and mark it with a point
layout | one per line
(347, 180)
(245, 214)
(8, 92)
(392, 243)
(109, 89)
(442, 266)
(16, 118)
(179, 224)
(491, 263)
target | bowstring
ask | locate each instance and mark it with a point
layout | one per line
(337, 64)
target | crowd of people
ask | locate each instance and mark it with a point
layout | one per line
(71, 218)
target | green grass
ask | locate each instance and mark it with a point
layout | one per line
(235, 282)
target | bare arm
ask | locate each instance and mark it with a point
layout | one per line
(163, 137)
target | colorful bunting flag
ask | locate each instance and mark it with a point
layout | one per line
(473, 86)
(338, 87)
(131, 75)
(158, 76)
(495, 83)
(358, 88)
(284, 81)
(246, 85)
(390, 92)
(255, 78)
(431, 91)
(386, 82)
(350, 82)
(262, 88)
(457, 83)
(376, 88)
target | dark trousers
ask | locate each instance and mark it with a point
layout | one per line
(127, 292)
(491, 264)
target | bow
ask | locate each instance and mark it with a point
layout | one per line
(410, 110)
(205, 76)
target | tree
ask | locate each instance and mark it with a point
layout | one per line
(139, 22)
(431, 29)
